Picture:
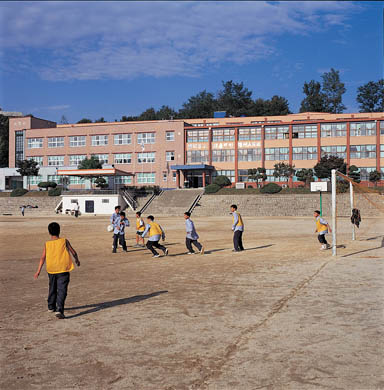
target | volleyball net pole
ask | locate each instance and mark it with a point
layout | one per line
(351, 198)
(334, 227)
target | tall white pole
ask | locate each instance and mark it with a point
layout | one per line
(351, 199)
(333, 212)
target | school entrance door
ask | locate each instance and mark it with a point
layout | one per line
(194, 176)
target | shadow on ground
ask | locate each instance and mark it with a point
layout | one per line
(94, 307)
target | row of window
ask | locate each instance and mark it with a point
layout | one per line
(98, 140)
(118, 158)
(282, 132)
(282, 154)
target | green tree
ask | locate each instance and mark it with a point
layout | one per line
(315, 100)
(370, 96)
(222, 181)
(90, 163)
(4, 141)
(148, 115)
(257, 174)
(101, 183)
(201, 105)
(100, 120)
(64, 120)
(277, 105)
(27, 168)
(166, 112)
(84, 120)
(333, 90)
(129, 118)
(324, 167)
(234, 98)
(284, 170)
(374, 177)
(305, 175)
(354, 173)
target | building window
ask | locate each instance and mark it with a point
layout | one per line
(337, 150)
(143, 158)
(197, 135)
(304, 131)
(76, 159)
(223, 135)
(276, 132)
(103, 158)
(249, 154)
(223, 155)
(305, 153)
(146, 138)
(170, 136)
(38, 159)
(104, 200)
(277, 154)
(77, 141)
(197, 156)
(35, 180)
(99, 140)
(381, 150)
(74, 200)
(55, 161)
(250, 134)
(362, 128)
(243, 175)
(165, 176)
(174, 176)
(35, 143)
(382, 127)
(123, 139)
(19, 145)
(333, 130)
(123, 158)
(145, 178)
(271, 178)
(363, 151)
(229, 173)
(364, 173)
(55, 142)
(170, 156)
(76, 180)
(55, 178)
(123, 180)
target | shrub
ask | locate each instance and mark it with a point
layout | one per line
(212, 188)
(222, 181)
(342, 186)
(270, 188)
(19, 192)
(54, 192)
(47, 184)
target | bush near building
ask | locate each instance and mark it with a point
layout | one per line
(54, 192)
(212, 188)
(18, 192)
(47, 184)
(270, 188)
(222, 181)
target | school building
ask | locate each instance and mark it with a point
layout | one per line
(191, 152)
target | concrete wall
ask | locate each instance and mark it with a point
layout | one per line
(46, 205)
(284, 205)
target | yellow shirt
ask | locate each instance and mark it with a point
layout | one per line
(154, 229)
(140, 227)
(57, 257)
(319, 226)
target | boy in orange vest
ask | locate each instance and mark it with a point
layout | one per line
(140, 227)
(155, 232)
(59, 264)
(322, 227)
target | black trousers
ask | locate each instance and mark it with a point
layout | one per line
(322, 240)
(58, 287)
(76, 213)
(121, 239)
(151, 244)
(189, 242)
(238, 240)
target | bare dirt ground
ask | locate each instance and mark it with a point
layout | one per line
(280, 315)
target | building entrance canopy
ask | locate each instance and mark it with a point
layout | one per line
(195, 176)
(192, 167)
(93, 172)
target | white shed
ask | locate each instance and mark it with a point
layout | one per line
(92, 204)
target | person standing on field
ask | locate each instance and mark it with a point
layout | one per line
(238, 229)
(192, 235)
(322, 227)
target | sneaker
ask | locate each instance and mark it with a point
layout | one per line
(323, 248)
(156, 255)
(51, 310)
(166, 252)
(329, 246)
(190, 253)
(59, 315)
(137, 246)
(142, 246)
(202, 250)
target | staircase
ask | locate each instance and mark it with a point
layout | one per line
(174, 202)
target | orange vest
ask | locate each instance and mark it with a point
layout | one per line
(57, 257)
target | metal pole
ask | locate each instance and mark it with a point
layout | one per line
(351, 199)
(321, 205)
(333, 212)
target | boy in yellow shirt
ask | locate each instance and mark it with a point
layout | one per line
(56, 254)
(140, 227)
(322, 227)
(155, 232)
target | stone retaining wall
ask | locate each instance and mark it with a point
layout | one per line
(46, 205)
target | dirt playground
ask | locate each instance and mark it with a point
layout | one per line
(280, 315)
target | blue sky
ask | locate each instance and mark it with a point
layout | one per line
(93, 59)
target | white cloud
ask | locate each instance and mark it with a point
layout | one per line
(124, 40)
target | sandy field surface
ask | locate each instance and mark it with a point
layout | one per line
(280, 315)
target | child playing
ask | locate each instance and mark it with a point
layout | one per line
(140, 227)
(59, 264)
(114, 217)
(119, 232)
(192, 235)
(322, 228)
(155, 231)
(237, 228)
